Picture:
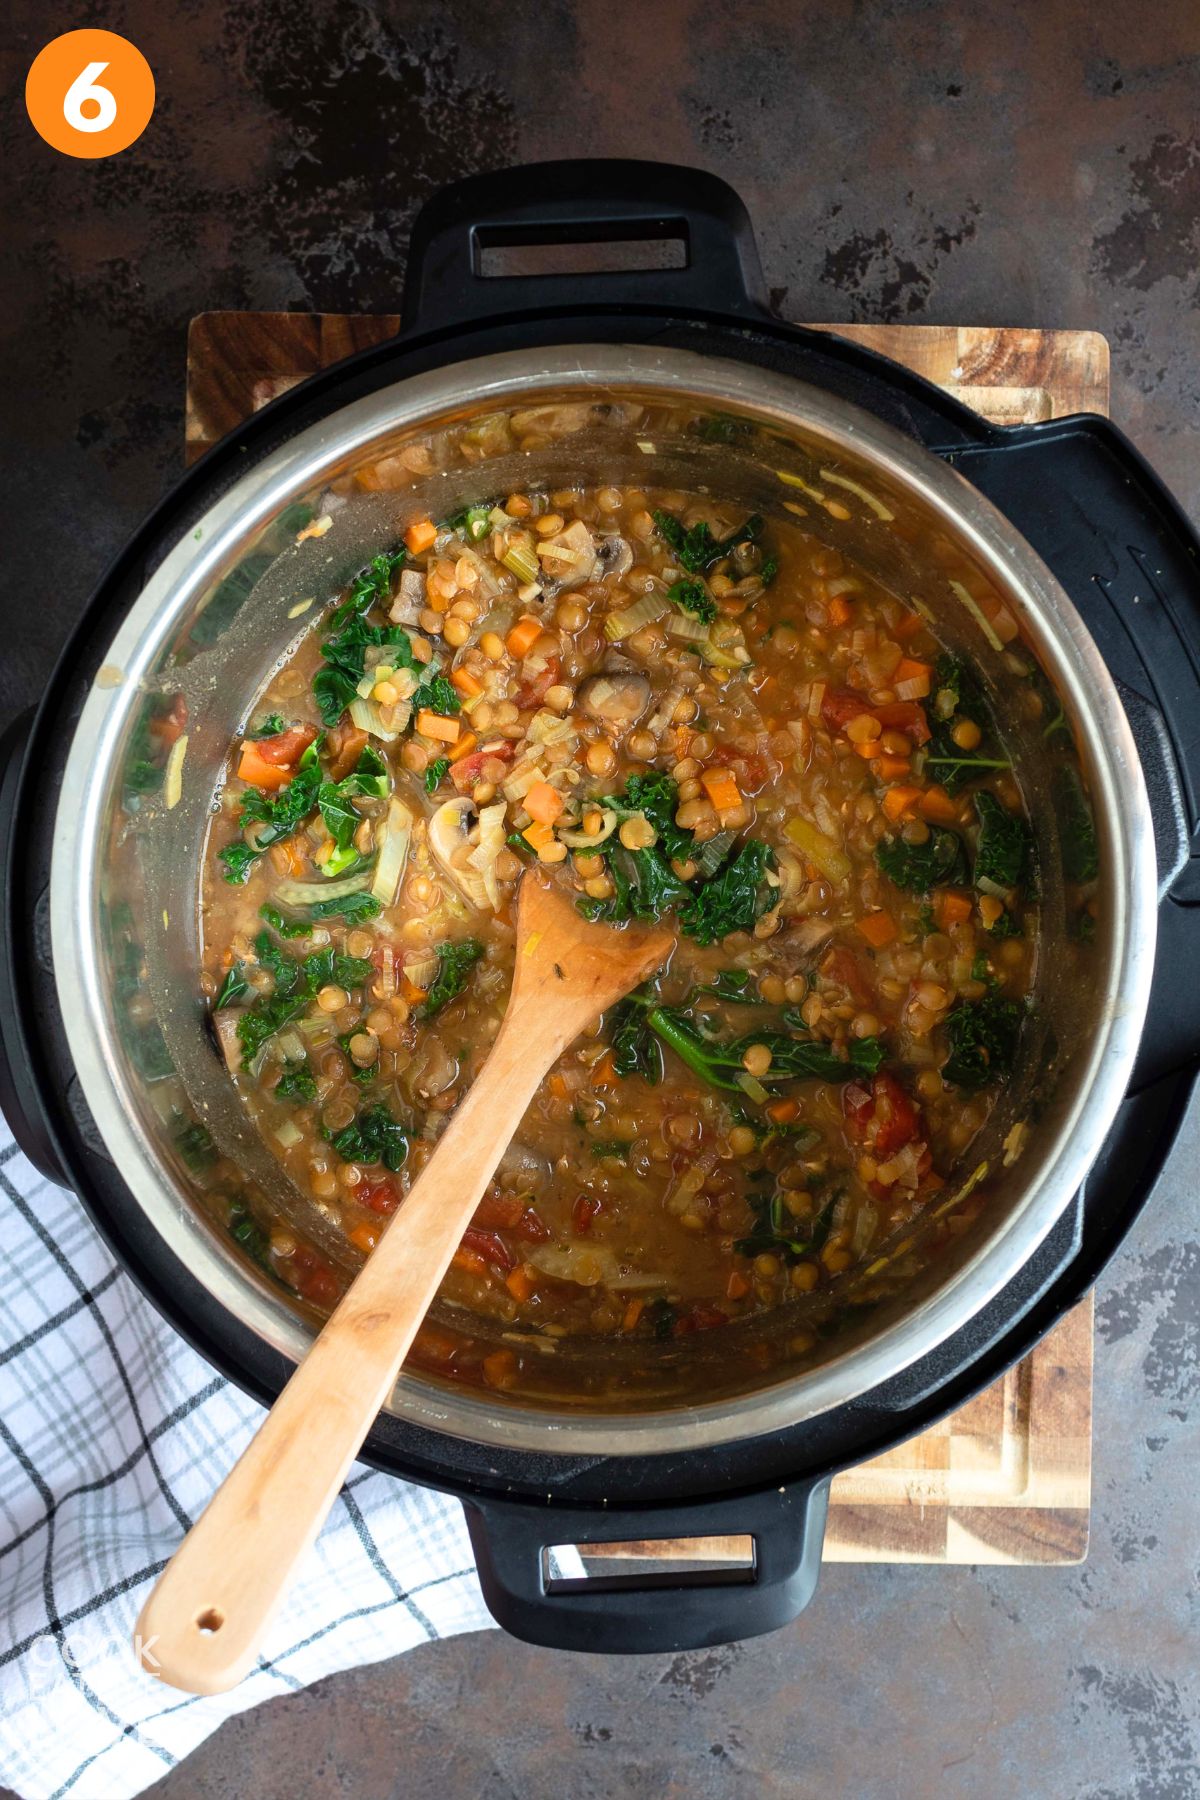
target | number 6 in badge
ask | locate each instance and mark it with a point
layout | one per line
(90, 93)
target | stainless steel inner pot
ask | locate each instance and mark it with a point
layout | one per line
(232, 596)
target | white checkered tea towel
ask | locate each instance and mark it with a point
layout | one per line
(113, 1435)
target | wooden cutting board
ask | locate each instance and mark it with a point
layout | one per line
(1008, 1478)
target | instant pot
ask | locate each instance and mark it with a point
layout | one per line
(677, 375)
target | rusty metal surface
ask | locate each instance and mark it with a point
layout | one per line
(914, 160)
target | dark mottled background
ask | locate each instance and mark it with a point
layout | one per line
(992, 164)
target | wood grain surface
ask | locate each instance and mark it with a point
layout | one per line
(1007, 1479)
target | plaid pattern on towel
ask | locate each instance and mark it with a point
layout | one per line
(113, 1434)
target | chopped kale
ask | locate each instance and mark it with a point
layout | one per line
(940, 861)
(471, 521)
(194, 1143)
(982, 1035)
(734, 984)
(696, 547)
(945, 761)
(1076, 827)
(274, 816)
(655, 797)
(374, 1136)
(336, 685)
(661, 1317)
(246, 1231)
(733, 900)
(234, 987)
(436, 695)
(721, 1063)
(271, 726)
(635, 1048)
(297, 983)
(455, 962)
(1005, 844)
(296, 1083)
(436, 773)
(354, 909)
(374, 583)
(610, 1150)
(286, 928)
(691, 596)
(776, 1233)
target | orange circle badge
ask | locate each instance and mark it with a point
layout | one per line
(90, 93)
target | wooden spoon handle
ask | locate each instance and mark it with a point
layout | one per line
(203, 1623)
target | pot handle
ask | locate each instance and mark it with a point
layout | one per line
(593, 201)
(19, 1099)
(635, 1613)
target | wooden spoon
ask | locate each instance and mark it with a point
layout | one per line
(202, 1625)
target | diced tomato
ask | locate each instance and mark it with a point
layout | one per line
(465, 772)
(840, 964)
(840, 705)
(499, 1212)
(435, 1349)
(699, 1317)
(885, 1120)
(585, 1210)
(345, 744)
(493, 1249)
(312, 1277)
(379, 1196)
(533, 1227)
(287, 746)
(169, 726)
(534, 688)
(905, 716)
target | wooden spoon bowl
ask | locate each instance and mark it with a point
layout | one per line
(206, 1616)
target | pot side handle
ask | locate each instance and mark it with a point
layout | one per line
(20, 1103)
(1129, 557)
(592, 201)
(634, 1613)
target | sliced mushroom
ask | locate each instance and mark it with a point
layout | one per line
(616, 699)
(808, 934)
(521, 1167)
(614, 556)
(569, 557)
(410, 598)
(449, 840)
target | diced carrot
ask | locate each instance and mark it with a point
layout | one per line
(519, 1283)
(605, 1072)
(500, 1368)
(523, 636)
(869, 750)
(909, 669)
(907, 625)
(900, 801)
(411, 992)
(420, 535)
(365, 1237)
(951, 908)
(435, 726)
(879, 928)
(259, 772)
(721, 789)
(736, 1286)
(633, 1313)
(538, 835)
(543, 802)
(839, 611)
(433, 1346)
(937, 806)
(468, 1261)
(465, 683)
(558, 1087)
(464, 746)
(782, 1112)
(892, 768)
